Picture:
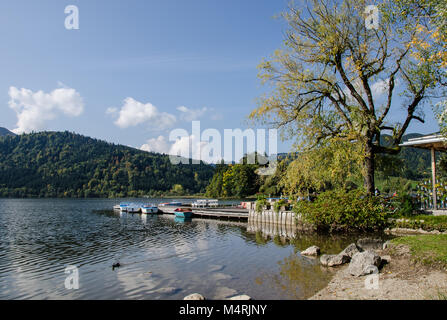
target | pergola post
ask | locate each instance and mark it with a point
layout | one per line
(433, 172)
(433, 142)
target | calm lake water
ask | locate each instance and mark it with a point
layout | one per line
(160, 258)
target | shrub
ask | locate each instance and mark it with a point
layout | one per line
(278, 204)
(261, 203)
(339, 210)
(404, 205)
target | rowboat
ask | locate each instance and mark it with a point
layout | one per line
(131, 208)
(183, 213)
(122, 207)
(149, 208)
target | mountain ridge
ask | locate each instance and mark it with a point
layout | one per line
(6, 132)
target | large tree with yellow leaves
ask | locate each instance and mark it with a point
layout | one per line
(337, 77)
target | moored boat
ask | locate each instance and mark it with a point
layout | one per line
(170, 204)
(149, 208)
(131, 208)
(122, 207)
(183, 213)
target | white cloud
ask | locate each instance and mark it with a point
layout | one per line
(191, 114)
(381, 87)
(35, 109)
(378, 89)
(134, 113)
(181, 146)
(159, 145)
(112, 111)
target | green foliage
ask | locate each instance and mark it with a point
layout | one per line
(427, 249)
(64, 164)
(424, 222)
(278, 204)
(321, 84)
(341, 211)
(234, 180)
(410, 163)
(177, 190)
(391, 184)
(335, 164)
(404, 205)
(261, 202)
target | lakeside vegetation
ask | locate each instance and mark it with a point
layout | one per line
(424, 222)
(427, 249)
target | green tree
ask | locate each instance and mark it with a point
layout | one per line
(324, 80)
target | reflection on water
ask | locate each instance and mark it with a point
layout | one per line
(160, 257)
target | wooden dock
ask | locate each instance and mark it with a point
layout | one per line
(213, 213)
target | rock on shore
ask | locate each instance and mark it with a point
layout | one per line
(364, 263)
(333, 260)
(194, 296)
(311, 251)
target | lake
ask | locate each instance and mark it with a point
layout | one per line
(160, 257)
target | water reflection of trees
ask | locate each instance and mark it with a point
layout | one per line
(300, 277)
(284, 235)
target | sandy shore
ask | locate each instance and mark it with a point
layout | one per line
(400, 279)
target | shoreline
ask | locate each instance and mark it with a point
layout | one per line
(400, 279)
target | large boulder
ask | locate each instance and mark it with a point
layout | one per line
(364, 263)
(370, 244)
(333, 260)
(350, 250)
(311, 251)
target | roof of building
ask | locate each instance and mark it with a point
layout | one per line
(431, 141)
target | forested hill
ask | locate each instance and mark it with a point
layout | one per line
(5, 132)
(410, 163)
(64, 164)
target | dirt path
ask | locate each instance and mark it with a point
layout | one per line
(401, 279)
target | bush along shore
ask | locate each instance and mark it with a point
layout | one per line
(412, 267)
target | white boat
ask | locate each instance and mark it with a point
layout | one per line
(170, 204)
(149, 208)
(122, 207)
(131, 208)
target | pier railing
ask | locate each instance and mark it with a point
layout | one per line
(272, 224)
(270, 216)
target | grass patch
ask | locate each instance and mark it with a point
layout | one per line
(425, 222)
(427, 249)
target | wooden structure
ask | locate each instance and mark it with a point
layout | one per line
(213, 213)
(432, 142)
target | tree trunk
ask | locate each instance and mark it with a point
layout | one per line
(368, 164)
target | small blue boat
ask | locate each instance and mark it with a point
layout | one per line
(183, 213)
(182, 220)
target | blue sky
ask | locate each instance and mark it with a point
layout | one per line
(200, 55)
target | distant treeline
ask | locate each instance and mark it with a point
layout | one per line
(64, 164)
(241, 180)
